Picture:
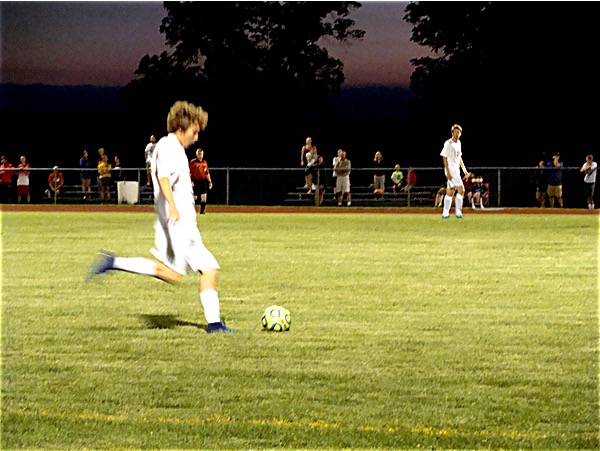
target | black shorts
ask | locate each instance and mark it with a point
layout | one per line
(200, 187)
(588, 189)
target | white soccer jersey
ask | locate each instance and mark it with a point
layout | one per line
(179, 246)
(169, 160)
(453, 152)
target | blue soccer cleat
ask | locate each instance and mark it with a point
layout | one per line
(220, 327)
(459, 216)
(103, 264)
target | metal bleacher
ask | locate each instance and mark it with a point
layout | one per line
(418, 196)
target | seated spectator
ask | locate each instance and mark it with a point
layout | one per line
(397, 179)
(56, 180)
(480, 192)
(439, 197)
(411, 180)
(468, 184)
(319, 180)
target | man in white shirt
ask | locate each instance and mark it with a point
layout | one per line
(589, 180)
(453, 162)
(178, 244)
(148, 156)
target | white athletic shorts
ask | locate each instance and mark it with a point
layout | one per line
(455, 181)
(180, 247)
(342, 184)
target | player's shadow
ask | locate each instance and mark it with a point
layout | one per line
(166, 322)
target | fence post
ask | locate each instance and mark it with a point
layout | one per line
(227, 187)
(499, 185)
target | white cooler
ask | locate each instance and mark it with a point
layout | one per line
(128, 192)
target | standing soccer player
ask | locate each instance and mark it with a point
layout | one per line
(178, 244)
(453, 162)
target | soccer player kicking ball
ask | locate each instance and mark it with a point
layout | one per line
(453, 162)
(178, 244)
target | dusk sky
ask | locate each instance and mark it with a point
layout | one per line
(101, 43)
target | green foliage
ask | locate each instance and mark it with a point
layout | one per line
(407, 332)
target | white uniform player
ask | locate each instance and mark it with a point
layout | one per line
(178, 245)
(453, 162)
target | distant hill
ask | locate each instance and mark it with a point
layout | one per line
(369, 102)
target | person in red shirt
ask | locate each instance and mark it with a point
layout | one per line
(6, 175)
(201, 180)
(55, 180)
(23, 180)
(411, 179)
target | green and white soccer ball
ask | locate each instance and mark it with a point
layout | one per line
(276, 319)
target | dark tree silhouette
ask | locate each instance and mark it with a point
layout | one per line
(233, 54)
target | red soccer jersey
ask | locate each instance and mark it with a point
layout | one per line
(198, 169)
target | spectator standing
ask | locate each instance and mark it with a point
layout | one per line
(104, 178)
(319, 180)
(23, 180)
(378, 174)
(540, 177)
(56, 180)
(555, 180)
(118, 170)
(397, 179)
(335, 160)
(201, 179)
(85, 175)
(101, 153)
(178, 244)
(589, 179)
(6, 175)
(308, 157)
(453, 162)
(343, 168)
(148, 157)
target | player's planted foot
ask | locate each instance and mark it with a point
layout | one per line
(219, 327)
(103, 264)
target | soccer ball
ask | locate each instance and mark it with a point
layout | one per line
(276, 318)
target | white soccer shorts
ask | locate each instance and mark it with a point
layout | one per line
(180, 247)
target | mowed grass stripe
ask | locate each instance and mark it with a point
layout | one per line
(280, 423)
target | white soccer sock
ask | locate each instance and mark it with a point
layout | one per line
(137, 265)
(210, 302)
(447, 205)
(458, 203)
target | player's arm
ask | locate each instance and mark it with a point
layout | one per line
(445, 159)
(167, 192)
(464, 168)
(302, 156)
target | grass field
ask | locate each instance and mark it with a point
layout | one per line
(401, 337)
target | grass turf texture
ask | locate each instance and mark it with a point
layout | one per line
(407, 332)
